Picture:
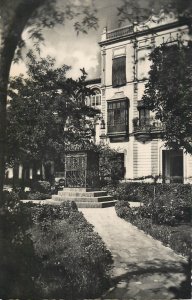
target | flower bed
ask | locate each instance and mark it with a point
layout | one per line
(178, 237)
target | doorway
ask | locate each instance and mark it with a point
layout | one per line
(172, 166)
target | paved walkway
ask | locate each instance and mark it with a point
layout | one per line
(143, 268)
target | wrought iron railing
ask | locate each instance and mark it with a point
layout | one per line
(147, 125)
(82, 178)
(119, 32)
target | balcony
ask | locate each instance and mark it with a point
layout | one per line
(119, 32)
(117, 129)
(147, 128)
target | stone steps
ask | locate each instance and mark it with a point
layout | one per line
(82, 194)
(82, 199)
(87, 204)
(80, 189)
(96, 204)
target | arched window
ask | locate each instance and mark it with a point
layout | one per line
(95, 98)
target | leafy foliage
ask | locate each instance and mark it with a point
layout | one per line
(49, 251)
(37, 196)
(19, 264)
(177, 237)
(139, 10)
(17, 15)
(111, 166)
(165, 194)
(122, 208)
(75, 260)
(166, 204)
(47, 111)
(41, 186)
(40, 14)
(168, 93)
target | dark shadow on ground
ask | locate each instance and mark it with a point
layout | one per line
(146, 269)
(184, 291)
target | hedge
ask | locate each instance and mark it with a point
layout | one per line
(19, 264)
(144, 192)
(50, 252)
(75, 260)
(177, 237)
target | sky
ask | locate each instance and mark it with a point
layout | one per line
(80, 51)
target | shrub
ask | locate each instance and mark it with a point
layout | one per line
(122, 209)
(165, 194)
(168, 194)
(42, 213)
(37, 196)
(130, 191)
(111, 166)
(18, 264)
(49, 252)
(158, 224)
(75, 260)
(180, 240)
(165, 203)
(43, 187)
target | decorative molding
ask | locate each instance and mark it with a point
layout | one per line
(121, 51)
(145, 32)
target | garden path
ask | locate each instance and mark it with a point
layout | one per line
(143, 268)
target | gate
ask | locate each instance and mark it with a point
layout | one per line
(81, 168)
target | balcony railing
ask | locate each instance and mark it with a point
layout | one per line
(117, 129)
(119, 32)
(147, 126)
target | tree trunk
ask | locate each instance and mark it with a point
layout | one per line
(5, 64)
(12, 26)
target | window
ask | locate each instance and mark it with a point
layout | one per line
(119, 71)
(117, 114)
(95, 98)
(144, 116)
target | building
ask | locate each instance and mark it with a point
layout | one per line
(124, 73)
(125, 124)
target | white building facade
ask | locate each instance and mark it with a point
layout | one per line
(129, 127)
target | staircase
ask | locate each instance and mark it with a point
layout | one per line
(84, 197)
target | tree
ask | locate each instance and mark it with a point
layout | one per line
(47, 111)
(17, 15)
(139, 10)
(111, 164)
(169, 94)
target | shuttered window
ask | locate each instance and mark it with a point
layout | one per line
(119, 71)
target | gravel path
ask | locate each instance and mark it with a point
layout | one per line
(143, 268)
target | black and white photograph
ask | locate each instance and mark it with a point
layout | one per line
(95, 149)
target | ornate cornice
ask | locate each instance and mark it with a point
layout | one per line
(144, 32)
